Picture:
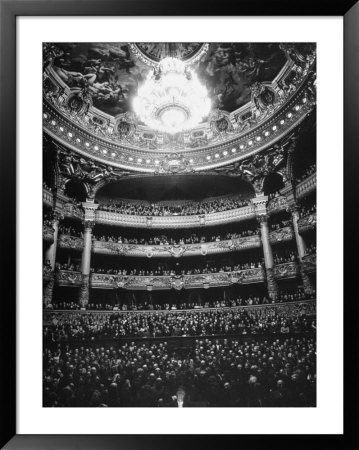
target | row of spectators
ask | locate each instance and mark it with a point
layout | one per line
(271, 373)
(249, 300)
(70, 326)
(306, 210)
(309, 171)
(162, 271)
(164, 240)
(285, 256)
(281, 224)
(311, 249)
(189, 208)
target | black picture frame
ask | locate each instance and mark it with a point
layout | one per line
(9, 11)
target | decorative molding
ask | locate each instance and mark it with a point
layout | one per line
(164, 222)
(66, 241)
(68, 278)
(176, 251)
(286, 270)
(293, 98)
(165, 282)
(283, 234)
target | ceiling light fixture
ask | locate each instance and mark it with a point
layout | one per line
(172, 99)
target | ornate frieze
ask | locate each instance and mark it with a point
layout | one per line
(165, 282)
(68, 278)
(74, 242)
(283, 234)
(286, 270)
(307, 223)
(176, 251)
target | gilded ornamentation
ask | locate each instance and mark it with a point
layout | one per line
(174, 163)
(66, 241)
(286, 270)
(283, 234)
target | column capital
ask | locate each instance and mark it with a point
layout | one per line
(260, 205)
(89, 208)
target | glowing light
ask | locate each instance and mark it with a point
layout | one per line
(172, 99)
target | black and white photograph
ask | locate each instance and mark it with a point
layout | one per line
(179, 224)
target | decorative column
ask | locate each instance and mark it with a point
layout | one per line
(301, 247)
(289, 192)
(89, 222)
(50, 255)
(262, 217)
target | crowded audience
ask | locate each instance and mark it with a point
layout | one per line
(306, 210)
(277, 372)
(185, 209)
(164, 240)
(309, 171)
(71, 326)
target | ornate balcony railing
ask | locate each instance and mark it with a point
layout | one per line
(282, 234)
(307, 223)
(176, 251)
(286, 270)
(306, 186)
(68, 278)
(155, 282)
(73, 242)
(48, 233)
(310, 263)
(192, 221)
(178, 282)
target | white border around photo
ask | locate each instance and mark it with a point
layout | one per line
(327, 417)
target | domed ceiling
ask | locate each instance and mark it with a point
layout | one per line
(114, 71)
(110, 101)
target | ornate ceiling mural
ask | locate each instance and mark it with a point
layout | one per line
(258, 93)
(112, 72)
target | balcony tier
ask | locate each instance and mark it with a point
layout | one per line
(177, 282)
(286, 307)
(173, 222)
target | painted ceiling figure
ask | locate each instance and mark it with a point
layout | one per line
(113, 73)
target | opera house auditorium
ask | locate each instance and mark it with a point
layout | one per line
(179, 225)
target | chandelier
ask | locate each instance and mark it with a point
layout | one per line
(172, 99)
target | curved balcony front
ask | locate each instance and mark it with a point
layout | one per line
(281, 235)
(176, 251)
(155, 282)
(177, 282)
(175, 221)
